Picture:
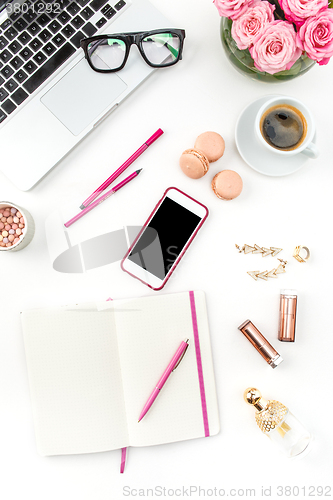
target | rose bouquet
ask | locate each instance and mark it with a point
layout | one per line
(279, 36)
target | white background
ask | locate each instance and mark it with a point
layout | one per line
(203, 92)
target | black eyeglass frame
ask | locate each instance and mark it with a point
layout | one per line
(134, 38)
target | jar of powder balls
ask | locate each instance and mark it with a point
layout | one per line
(17, 227)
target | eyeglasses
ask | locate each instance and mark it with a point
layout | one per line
(109, 53)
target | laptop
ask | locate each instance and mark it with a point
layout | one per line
(50, 98)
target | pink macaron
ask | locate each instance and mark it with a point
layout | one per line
(194, 163)
(211, 144)
(227, 185)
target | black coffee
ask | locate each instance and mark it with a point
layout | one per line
(283, 127)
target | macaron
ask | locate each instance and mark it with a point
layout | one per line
(211, 144)
(227, 185)
(194, 163)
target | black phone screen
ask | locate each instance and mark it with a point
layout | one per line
(164, 238)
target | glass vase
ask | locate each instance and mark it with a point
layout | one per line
(243, 62)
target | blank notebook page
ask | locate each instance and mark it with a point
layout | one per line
(150, 330)
(75, 380)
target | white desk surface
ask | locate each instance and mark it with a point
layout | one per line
(203, 92)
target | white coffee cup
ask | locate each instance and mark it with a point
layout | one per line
(306, 147)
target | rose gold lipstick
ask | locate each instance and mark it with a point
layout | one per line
(267, 351)
(287, 321)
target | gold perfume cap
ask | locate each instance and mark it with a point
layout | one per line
(269, 414)
(253, 397)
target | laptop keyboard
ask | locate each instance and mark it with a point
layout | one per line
(36, 41)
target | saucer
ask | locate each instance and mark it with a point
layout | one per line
(254, 154)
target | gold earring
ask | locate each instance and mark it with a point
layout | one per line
(273, 251)
(269, 274)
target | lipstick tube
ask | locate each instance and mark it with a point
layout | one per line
(287, 321)
(259, 342)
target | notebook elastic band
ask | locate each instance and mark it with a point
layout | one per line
(123, 460)
(199, 364)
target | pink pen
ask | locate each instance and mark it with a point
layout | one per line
(102, 198)
(121, 169)
(170, 368)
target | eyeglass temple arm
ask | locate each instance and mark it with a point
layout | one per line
(94, 45)
(173, 51)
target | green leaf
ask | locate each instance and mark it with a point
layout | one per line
(294, 70)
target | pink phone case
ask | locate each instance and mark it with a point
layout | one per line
(184, 249)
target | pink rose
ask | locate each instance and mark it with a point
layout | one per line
(297, 11)
(251, 24)
(275, 49)
(316, 37)
(232, 8)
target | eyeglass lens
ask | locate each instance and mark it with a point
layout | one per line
(161, 48)
(109, 53)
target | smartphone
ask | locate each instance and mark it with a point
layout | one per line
(164, 238)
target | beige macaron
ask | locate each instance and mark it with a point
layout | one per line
(227, 185)
(194, 163)
(211, 144)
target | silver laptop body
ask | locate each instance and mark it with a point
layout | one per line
(41, 121)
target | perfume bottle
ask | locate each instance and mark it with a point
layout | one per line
(278, 423)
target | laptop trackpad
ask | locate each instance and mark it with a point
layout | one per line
(82, 95)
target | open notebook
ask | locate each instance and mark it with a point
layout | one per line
(92, 368)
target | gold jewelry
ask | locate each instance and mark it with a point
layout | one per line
(269, 274)
(273, 251)
(298, 251)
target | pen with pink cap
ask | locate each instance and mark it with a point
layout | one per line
(102, 198)
(122, 168)
(178, 356)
